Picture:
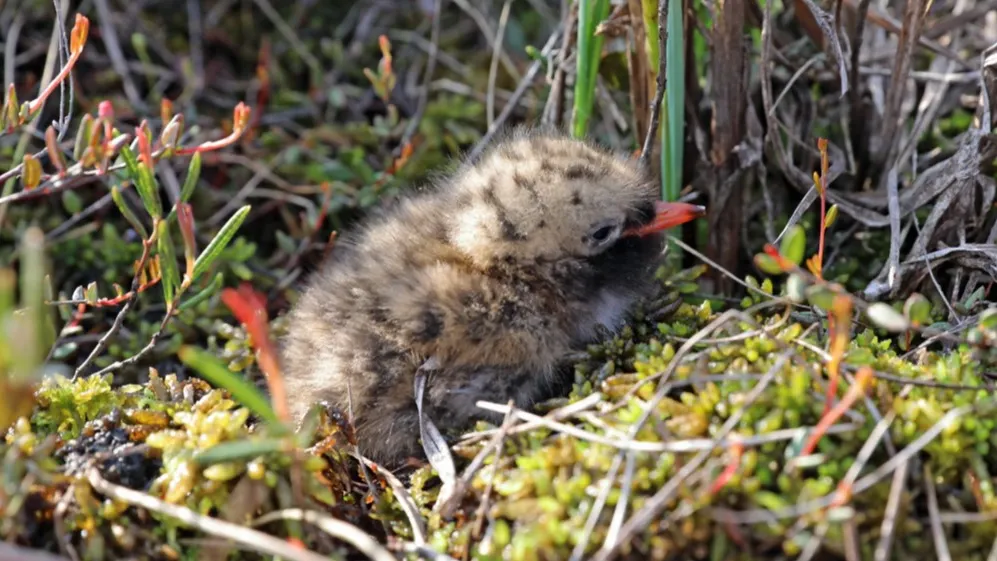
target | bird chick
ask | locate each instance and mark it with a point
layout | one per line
(496, 275)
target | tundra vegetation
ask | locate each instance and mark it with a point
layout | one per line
(814, 380)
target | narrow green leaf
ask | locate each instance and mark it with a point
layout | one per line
(590, 13)
(193, 174)
(148, 189)
(794, 244)
(167, 262)
(973, 298)
(219, 242)
(236, 450)
(126, 211)
(131, 162)
(215, 286)
(211, 369)
(29, 336)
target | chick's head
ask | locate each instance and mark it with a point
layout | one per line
(538, 197)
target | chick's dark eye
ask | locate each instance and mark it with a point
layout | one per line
(602, 234)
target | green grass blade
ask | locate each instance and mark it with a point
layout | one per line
(590, 13)
(673, 128)
(219, 242)
(127, 212)
(31, 341)
(211, 369)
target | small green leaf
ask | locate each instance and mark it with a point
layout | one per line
(216, 284)
(193, 174)
(767, 264)
(831, 216)
(148, 190)
(71, 202)
(794, 244)
(168, 263)
(219, 242)
(91, 293)
(211, 369)
(820, 296)
(10, 106)
(917, 308)
(31, 172)
(239, 450)
(988, 319)
(126, 211)
(973, 298)
(770, 501)
(286, 243)
(884, 316)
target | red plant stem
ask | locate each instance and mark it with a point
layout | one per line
(823, 213)
(842, 495)
(838, 321)
(822, 146)
(240, 121)
(36, 103)
(736, 451)
(862, 379)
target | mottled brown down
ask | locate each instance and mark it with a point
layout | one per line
(498, 272)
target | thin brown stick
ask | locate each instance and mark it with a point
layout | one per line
(120, 318)
(661, 83)
(516, 95)
(336, 528)
(427, 79)
(937, 532)
(553, 113)
(247, 537)
(493, 68)
(888, 528)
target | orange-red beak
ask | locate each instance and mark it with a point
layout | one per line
(668, 215)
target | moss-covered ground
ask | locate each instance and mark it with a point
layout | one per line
(773, 401)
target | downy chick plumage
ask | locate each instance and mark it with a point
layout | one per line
(497, 273)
